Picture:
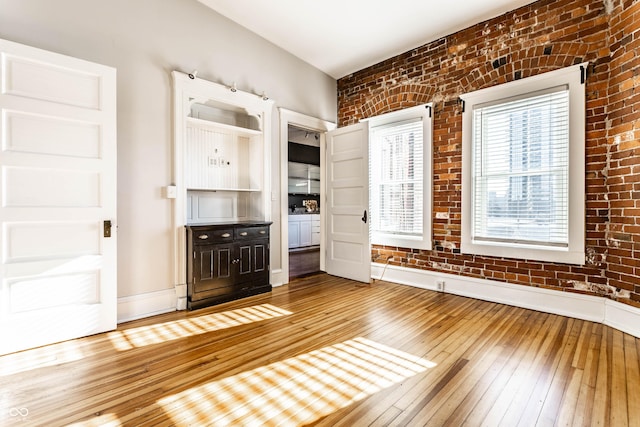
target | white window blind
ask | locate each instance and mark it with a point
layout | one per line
(396, 178)
(521, 170)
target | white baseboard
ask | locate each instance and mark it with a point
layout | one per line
(622, 317)
(181, 296)
(579, 306)
(145, 305)
(277, 278)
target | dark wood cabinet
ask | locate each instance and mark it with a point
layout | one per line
(226, 262)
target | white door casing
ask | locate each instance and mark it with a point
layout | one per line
(347, 205)
(280, 276)
(58, 173)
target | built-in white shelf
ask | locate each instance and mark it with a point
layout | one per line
(209, 125)
(243, 190)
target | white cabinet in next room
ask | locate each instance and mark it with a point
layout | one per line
(304, 230)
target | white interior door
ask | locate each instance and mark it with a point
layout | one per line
(58, 187)
(348, 247)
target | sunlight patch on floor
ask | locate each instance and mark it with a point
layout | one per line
(298, 390)
(127, 339)
(51, 355)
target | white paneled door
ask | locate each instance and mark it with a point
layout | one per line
(57, 197)
(348, 247)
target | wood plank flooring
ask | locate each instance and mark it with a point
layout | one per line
(326, 351)
(303, 262)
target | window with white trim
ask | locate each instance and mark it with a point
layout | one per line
(400, 178)
(523, 168)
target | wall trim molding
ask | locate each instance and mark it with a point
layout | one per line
(586, 307)
(623, 317)
(146, 305)
(288, 117)
(277, 277)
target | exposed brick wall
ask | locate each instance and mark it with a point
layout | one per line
(541, 37)
(622, 232)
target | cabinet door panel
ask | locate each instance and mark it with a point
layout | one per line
(222, 263)
(212, 269)
(261, 257)
(253, 261)
(205, 264)
(294, 234)
(305, 233)
(245, 260)
(227, 263)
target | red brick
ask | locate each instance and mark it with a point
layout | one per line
(576, 30)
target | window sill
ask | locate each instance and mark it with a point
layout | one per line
(410, 242)
(525, 252)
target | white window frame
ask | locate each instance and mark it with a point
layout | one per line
(422, 112)
(574, 253)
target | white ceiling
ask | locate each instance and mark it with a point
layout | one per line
(343, 36)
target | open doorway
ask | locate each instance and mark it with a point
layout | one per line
(302, 175)
(303, 199)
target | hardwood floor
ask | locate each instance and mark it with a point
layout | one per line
(304, 261)
(328, 352)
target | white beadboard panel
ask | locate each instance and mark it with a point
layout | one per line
(218, 206)
(48, 82)
(222, 159)
(242, 162)
(31, 187)
(256, 204)
(25, 132)
(206, 154)
(45, 292)
(189, 202)
(255, 157)
(585, 307)
(243, 206)
(52, 238)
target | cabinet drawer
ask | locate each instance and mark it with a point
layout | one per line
(251, 233)
(213, 236)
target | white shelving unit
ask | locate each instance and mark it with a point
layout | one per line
(222, 157)
(225, 151)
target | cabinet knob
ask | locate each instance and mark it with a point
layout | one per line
(244, 233)
(203, 236)
(226, 235)
(263, 232)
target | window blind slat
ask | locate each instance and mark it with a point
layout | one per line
(396, 178)
(520, 170)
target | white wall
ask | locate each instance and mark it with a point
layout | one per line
(145, 40)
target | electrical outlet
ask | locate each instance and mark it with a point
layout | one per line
(440, 285)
